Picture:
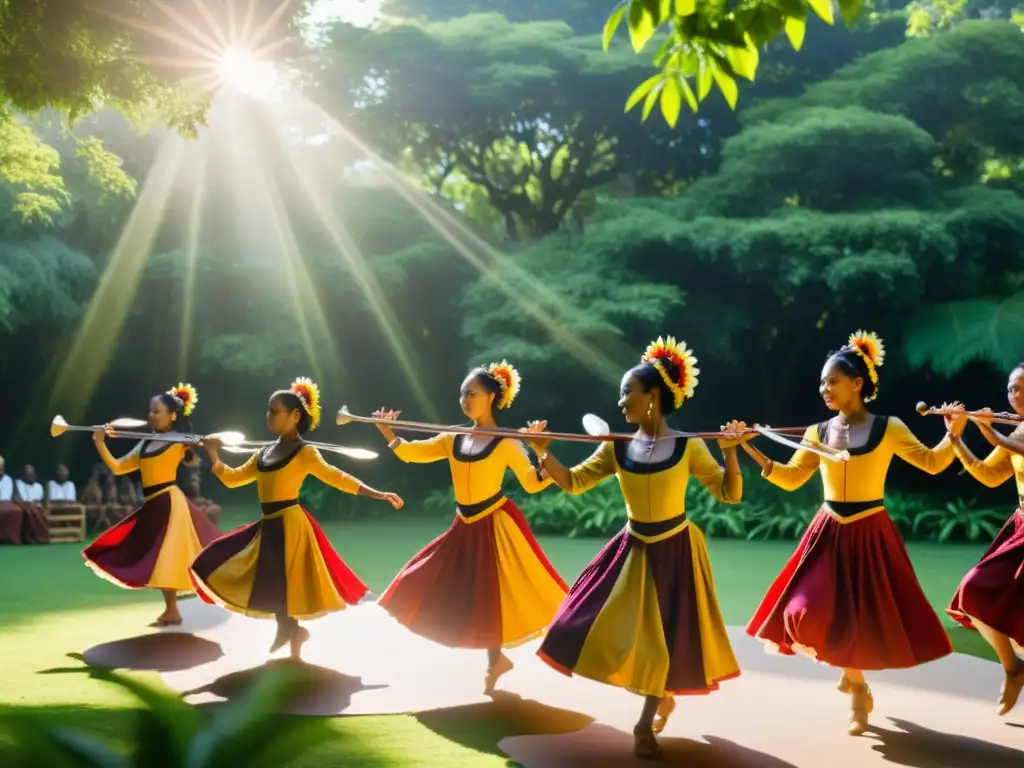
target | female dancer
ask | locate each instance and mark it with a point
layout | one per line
(282, 566)
(849, 596)
(154, 545)
(485, 583)
(991, 596)
(644, 615)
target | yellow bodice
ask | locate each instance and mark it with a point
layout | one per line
(281, 480)
(158, 466)
(656, 492)
(477, 478)
(998, 467)
(862, 478)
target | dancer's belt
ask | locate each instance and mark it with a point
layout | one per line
(153, 490)
(469, 511)
(848, 510)
(270, 507)
(651, 532)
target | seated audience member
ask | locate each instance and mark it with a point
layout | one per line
(126, 494)
(193, 492)
(10, 513)
(101, 507)
(29, 495)
(62, 490)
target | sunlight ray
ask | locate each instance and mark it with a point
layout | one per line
(211, 21)
(192, 233)
(445, 224)
(175, 62)
(95, 341)
(268, 24)
(155, 31)
(250, 16)
(185, 24)
(349, 250)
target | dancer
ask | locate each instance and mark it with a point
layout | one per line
(990, 598)
(154, 545)
(643, 615)
(485, 583)
(282, 566)
(848, 596)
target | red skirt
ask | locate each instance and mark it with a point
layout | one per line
(485, 583)
(993, 590)
(849, 597)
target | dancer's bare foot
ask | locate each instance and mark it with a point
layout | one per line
(665, 710)
(496, 670)
(861, 705)
(167, 619)
(645, 745)
(284, 633)
(1012, 687)
(299, 636)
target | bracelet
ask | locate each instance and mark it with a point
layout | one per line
(542, 457)
(395, 443)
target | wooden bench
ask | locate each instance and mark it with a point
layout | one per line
(66, 523)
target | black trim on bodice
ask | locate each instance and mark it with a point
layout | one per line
(263, 466)
(640, 468)
(462, 456)
(875, 436)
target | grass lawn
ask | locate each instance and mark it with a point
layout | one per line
(53, 605)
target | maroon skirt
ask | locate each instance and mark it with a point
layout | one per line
(849, 597)
(484, 583)
(993, 590)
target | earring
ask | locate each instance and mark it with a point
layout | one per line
(650, 408)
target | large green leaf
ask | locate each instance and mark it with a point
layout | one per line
(40, 745)
(947, 337)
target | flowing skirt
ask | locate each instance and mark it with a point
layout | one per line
(280, 565)
(849, 597)
(993, 590)
(154, 545)
(645, 617)
(485, 583)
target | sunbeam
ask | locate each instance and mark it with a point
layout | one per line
(195, 217)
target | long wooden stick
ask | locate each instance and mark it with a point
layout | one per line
(1000, 417)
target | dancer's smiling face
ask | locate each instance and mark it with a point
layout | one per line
(1015, 390)
(838, 388)
(161, 418)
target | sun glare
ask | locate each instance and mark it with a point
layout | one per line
(241, 71)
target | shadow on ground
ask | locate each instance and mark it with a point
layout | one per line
(919, 747)
(320, 690)
(158, 652)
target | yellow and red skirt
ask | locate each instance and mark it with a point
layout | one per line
(644, 616)
(155, 545)
(281, 565)
(484, 583)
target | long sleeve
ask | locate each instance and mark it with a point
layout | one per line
(235, 477)
(6, 488)
(433, 449)
(526, 473)
(719, 483)
(915, 453)
(589, 473)
(127, 463)
(800, 467)
(314, 463)
(992, 471)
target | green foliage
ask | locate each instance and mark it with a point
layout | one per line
(42, 285)
(28, 170)
(173, 734)
(709, 45)
(958, 520)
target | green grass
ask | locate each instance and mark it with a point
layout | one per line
(53, 605)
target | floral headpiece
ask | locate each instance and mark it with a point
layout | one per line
(669, 349)
(871, 350)
(508, 379)
(185, 394)
(309, 395)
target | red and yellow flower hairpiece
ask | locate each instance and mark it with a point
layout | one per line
(309, 395)
(508, 379)
(872, 351)
(187, 395)
(669, 349)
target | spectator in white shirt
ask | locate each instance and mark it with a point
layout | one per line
(62, 490)
(6, 484)
(28, 487)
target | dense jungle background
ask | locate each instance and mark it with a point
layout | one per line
(874, 179)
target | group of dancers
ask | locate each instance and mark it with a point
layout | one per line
(643, 615)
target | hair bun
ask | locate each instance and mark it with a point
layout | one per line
(508, 379)
(309, 395)
(188, 397)
(667, 349)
